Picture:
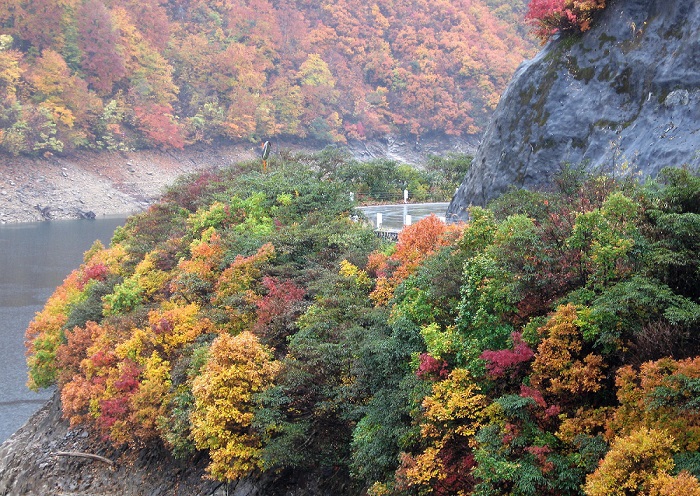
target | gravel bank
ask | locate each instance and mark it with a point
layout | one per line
(106, 183)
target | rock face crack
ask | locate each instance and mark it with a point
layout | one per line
(604, 99)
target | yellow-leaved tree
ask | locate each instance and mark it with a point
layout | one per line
(238, 368)
(640, 463)
(452, 416)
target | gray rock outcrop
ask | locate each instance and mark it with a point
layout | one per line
(624, 96)
(29, 465)
(48, 457)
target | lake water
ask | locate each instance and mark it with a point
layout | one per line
(34, 259)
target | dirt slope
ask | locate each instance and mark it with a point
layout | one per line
(105, 183)
(114, 183)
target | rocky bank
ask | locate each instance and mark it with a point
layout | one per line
(42, 458)
(105, 183)
(31, 464)
(623, 97)
(118, 183)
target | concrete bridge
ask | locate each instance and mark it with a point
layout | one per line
(389, 220)
(395, 217)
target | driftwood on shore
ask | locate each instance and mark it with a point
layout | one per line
(84, 455)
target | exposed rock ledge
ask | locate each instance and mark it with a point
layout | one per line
(627, 91)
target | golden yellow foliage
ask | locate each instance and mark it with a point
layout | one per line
(682, 484)
(357, 275)
(238, 368)
(113, 257)
(10, 71)
(559, 368)
(453, 410)
(149, 277)
(632, 463)
(584, 421)
(176, 325)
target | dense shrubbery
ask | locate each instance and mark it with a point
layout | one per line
(552, 16)
(548, 346)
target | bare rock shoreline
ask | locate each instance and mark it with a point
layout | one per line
(119, 183)
(103, 184)
(40, 458)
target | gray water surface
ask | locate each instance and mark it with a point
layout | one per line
(34, 258)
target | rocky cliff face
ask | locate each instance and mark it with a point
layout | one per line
(624, 95)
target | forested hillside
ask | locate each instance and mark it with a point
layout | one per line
(547, 347)
(120, 74)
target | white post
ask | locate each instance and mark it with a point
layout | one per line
(405, 196)
(407, 222)
(379, 220)
(443, 219)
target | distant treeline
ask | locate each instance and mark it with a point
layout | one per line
(124, 74)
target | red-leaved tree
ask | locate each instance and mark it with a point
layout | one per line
(551, 16)
(102, 61)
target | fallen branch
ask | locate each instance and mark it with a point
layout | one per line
(84, 455)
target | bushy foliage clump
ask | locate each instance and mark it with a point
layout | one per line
(547, 346)
(552, 16)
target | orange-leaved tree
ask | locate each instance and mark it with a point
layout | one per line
(562, 367)
(660, 395)
(416, 243)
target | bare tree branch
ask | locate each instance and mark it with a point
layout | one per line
(84, 455)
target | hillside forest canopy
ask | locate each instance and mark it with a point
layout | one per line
(549, 346)
(125, 74)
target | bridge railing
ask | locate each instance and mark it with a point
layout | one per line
(386, 234)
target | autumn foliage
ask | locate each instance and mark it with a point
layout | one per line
(640, 463)
(547, 346)
(416, 242)
(118, 75)
(238, 368)
(552, 16)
